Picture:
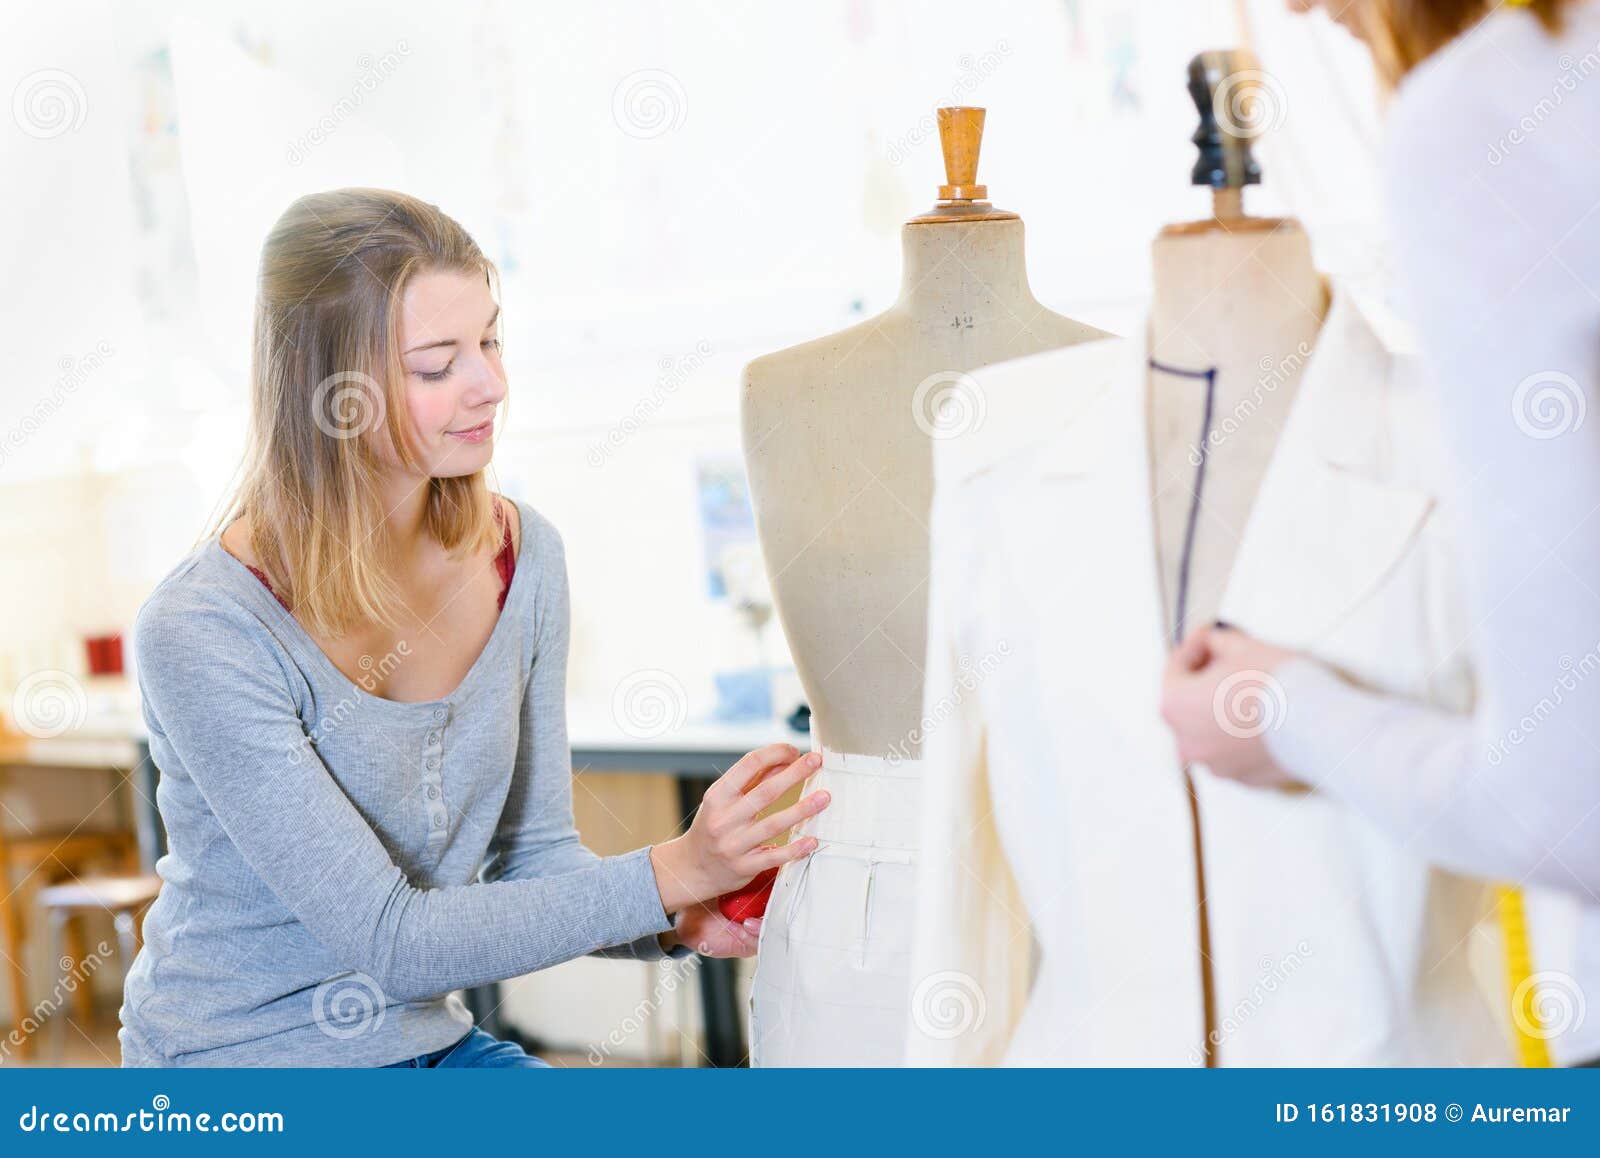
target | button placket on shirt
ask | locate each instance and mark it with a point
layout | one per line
(438, 819)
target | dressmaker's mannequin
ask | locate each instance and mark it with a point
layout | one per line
(1236, 306)
(1236, 296)
(837, 436)
(838, 448)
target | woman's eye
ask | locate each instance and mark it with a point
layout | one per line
(445, 372)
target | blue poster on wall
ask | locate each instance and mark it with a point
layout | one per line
(726, 518)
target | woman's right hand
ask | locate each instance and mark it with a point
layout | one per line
(729, 842)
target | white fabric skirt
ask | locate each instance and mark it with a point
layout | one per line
(831, 977)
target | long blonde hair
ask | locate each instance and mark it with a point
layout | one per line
(1404, 33)
(325, 380)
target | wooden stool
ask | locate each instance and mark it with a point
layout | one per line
(124, 897)
(48, 856)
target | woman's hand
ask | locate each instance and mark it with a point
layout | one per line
(1219, 696)
(723, 848)
(709, 933)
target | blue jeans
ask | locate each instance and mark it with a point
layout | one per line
(476, 1049)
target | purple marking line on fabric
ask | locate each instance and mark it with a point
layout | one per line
(1184, 560)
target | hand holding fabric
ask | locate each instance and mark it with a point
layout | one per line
(1219, 697)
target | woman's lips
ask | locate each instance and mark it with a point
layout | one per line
(474, 433)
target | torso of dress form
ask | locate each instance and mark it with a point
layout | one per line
(838, 447)
(1235, 310)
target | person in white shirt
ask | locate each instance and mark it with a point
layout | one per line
(1493, 189)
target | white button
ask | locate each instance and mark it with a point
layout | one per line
(438, 820)
(433, 737)
(438, 714)
(433, 762)
(433, 792)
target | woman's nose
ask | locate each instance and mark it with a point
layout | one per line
(486, 385)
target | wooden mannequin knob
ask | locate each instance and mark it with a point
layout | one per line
(1222, 84)
(961, 134)
(963, 199)
(1236, 102)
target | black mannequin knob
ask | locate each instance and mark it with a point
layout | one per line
(1220, 78)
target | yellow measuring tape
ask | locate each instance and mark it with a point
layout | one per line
(1526, 1028)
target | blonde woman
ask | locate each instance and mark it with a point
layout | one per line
(355, 693)
(1493, 172)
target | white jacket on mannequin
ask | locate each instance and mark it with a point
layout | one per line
(1055, 809)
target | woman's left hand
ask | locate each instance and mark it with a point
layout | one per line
(1219, 696)
(705, 930)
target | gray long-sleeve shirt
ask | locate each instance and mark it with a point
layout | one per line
(340, 862)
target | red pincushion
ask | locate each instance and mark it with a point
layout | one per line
(750, 901)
